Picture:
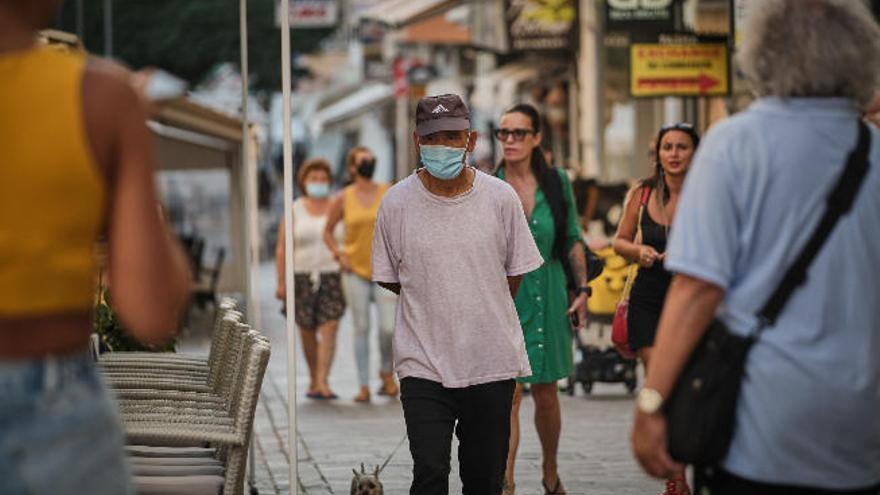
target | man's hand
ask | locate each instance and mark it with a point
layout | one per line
(649, 446)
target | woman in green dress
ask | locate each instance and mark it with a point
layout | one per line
(543, 298)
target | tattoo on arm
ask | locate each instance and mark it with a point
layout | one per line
(578, 260)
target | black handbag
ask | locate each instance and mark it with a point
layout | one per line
(701, 410)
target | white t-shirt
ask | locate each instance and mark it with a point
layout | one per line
(310, 254)
(456, 321)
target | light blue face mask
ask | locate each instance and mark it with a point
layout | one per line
(317, 190)
(442, 162)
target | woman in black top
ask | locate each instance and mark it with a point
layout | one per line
(651, 205)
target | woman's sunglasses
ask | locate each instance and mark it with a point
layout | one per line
(518, 134)
(681, 126)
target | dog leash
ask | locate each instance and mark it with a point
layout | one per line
(388, 459)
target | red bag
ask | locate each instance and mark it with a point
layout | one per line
(619, 328)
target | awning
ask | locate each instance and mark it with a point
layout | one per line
(365, 99)
(449, 28)
(399, 13)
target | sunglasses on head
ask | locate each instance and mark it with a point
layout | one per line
(681, 126)
(518, 134)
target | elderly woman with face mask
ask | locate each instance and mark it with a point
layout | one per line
(318, 287)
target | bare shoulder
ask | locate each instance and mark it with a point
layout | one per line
(111, 81)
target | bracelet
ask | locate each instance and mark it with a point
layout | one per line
(585, 289)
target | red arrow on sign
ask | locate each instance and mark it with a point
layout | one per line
(703, 82)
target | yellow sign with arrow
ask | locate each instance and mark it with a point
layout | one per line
(699, 69)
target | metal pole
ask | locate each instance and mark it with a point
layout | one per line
(288, 244)
(108, 28)
(248, 173)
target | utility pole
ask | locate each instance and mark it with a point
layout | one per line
(108, 28)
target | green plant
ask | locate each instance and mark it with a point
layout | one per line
(113, 335)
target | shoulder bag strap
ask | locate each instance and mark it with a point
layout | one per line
(839, 203)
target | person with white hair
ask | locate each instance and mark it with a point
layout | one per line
(805, 420)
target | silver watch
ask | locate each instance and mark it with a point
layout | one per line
(649, 401)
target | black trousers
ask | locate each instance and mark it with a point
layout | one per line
(720, 482)
(482, 413)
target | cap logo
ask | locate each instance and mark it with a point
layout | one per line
(440, 109)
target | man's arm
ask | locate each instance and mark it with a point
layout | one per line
(395, 288)
(513, 283)
(689, 307)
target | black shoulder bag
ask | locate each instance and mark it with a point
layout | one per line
(701, 410)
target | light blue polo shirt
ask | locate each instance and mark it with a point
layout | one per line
(809, 412)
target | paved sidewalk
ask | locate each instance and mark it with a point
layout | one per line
(336, 436)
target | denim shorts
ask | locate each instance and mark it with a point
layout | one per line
(59, 432)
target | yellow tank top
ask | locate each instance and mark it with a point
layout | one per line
(52, 195)
(359, 222)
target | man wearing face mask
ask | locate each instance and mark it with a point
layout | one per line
(454, 244)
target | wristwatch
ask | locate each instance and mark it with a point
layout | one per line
(649, 401)
(585, 289)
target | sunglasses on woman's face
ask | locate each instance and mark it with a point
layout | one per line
(518, 134)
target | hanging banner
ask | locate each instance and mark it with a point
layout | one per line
(542, 24)
(643, 17)
(679, 70)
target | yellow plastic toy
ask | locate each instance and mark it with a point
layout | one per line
(609, 285)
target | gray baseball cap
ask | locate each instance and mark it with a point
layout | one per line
(442, 113)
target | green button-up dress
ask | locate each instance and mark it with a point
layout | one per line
(542, 300)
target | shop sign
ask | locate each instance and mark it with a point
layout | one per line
(679, 70)
(542, 24)
(312, 14)
(640, 16)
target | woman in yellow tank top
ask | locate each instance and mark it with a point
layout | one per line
(357, 206)
(75, 163)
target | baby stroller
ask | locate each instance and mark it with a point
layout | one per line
(599, 361)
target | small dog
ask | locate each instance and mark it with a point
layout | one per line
(365, 483)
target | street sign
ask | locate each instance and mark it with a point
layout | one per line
(306, 14)
(679, 70)
(542, 24)
(641, 17)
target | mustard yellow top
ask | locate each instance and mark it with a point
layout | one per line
(359, 221)
(52, 194)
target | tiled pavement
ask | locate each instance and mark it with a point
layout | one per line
(336, 436)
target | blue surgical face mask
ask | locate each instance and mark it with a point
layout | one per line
(317, 190)
(442, 162)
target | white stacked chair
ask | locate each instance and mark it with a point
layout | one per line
(193, 415)
(195, 419)
(122, 361)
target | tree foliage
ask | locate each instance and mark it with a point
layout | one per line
(190, 37)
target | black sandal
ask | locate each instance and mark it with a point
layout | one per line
(556, 488)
